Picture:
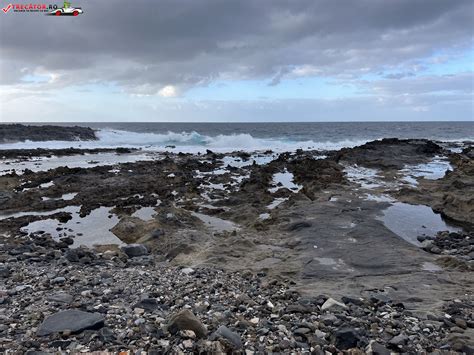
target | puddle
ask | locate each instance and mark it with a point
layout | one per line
(145, 213)
(40, 213)
(379, 198)
(264, 216)
(366, 177)
(95, 227)
(433, 170)
(409, 221)
(216, 224)
(286, 180)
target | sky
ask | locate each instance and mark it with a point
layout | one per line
(240, 61)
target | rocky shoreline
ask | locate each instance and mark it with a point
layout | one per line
(136, 303)
(305, 251)
(20, 133)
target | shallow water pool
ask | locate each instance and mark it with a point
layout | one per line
(410, 221)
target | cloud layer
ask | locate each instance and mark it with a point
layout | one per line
(166, 48)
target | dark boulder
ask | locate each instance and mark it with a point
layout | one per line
(71, 320)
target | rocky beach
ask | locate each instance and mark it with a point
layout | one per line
(365, 249)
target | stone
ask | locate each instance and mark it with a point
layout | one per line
(461, 323)
(71, 320)
(230, 337)
(320, 334)
(330, 303)
(58, 280)
(298, 308)
(106, 335)
(377, 349)
(186, 320)
(134, 250)
(188, 344)
(346, 338)
(188, 334)
(67, 240)
(398, 340)
(421, 238)
(379, 298)
(138, 311)
(60, 297)
(355, 301)
(148, 304)
(255, 321)
(187, 271)
(301, 331)
(4, 271)
(71, 255)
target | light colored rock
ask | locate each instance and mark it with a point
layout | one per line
(330, 303)
(187, 271)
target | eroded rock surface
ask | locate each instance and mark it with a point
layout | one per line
(269, 252)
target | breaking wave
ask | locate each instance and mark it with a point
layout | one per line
(186, 142)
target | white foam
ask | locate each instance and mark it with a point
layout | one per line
(191, 142)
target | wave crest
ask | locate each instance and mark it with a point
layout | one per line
(191, 142)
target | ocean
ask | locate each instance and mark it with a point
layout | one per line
(222, 137)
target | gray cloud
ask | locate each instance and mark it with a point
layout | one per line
(144, 46)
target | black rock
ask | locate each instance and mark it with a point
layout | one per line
(72, 255)
(231, 337)
(4, 271)
(134, 250)
(379, 349)
(346, 338)
(379, 298)
(421, 238)
(72, 320)
(148, 304)
(67, 240)
(60, 343)
(19, 132)
(398, 340)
